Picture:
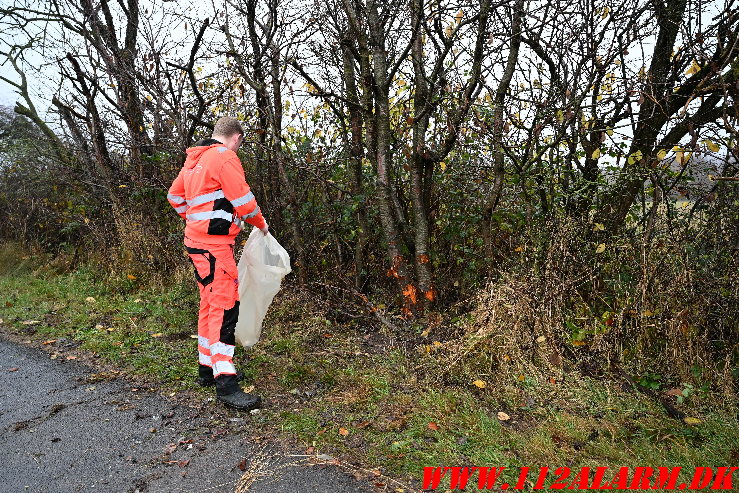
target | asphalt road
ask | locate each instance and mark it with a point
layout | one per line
(63, 429)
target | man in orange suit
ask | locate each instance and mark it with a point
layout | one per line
(212, 195)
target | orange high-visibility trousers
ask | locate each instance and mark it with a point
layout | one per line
(217, 276)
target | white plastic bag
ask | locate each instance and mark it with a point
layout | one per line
(262, 266)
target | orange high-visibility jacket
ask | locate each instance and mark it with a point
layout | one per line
(212, 195)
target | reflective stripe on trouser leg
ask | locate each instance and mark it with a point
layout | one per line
(222, 339)
(204, 353)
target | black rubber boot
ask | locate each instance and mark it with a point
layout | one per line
(229, 392)
(241, 400)
(205, 376)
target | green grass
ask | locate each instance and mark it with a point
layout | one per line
(379, 407)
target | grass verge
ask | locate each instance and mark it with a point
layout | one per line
(363, 396)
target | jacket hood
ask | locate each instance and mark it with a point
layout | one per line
(194, 153)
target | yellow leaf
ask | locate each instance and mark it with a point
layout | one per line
(131, 277)
(635, 157)
(442, 165)
(503, 416)
(599, 227)
(647, 313)
(521, 378)
(425, 333)
(692, 421)
(481, 384)
(661, 154)
(694, 68)
(560, 116)
(712, 146)
(578, 343)
(609, 131)
(193, 336)
(520, 248)
(596, 154)
(436, 344)
(606, 11)
(90, 299)
(541, 339)
(158, 334)
(459, 16)
(600, 248)
(343, 432)
(433, 426)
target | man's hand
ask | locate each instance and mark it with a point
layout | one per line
(265, 229)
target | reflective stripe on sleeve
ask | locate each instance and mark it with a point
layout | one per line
(242, 200)
(251, 214)
(182, 208)
(176, 198)
(204, 359)
(208, 197)
(202, 216)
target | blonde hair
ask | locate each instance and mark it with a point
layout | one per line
(227, 126)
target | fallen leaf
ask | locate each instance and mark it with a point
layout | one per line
(131, 277)
(13, 369)
(90, 299)
(599, 227)
(481, 384)
(521, 378)
(193, 336)
(363, 424)
(158, 334)
(71, 357)
(30, 322)
(600, 248)
(242, 465)
(541, 339)
(433, 426)
(343, 431)
(48, 341)
(674, 392)
(138, 300)
(503, 416)
(692, 421)
(183, 463)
